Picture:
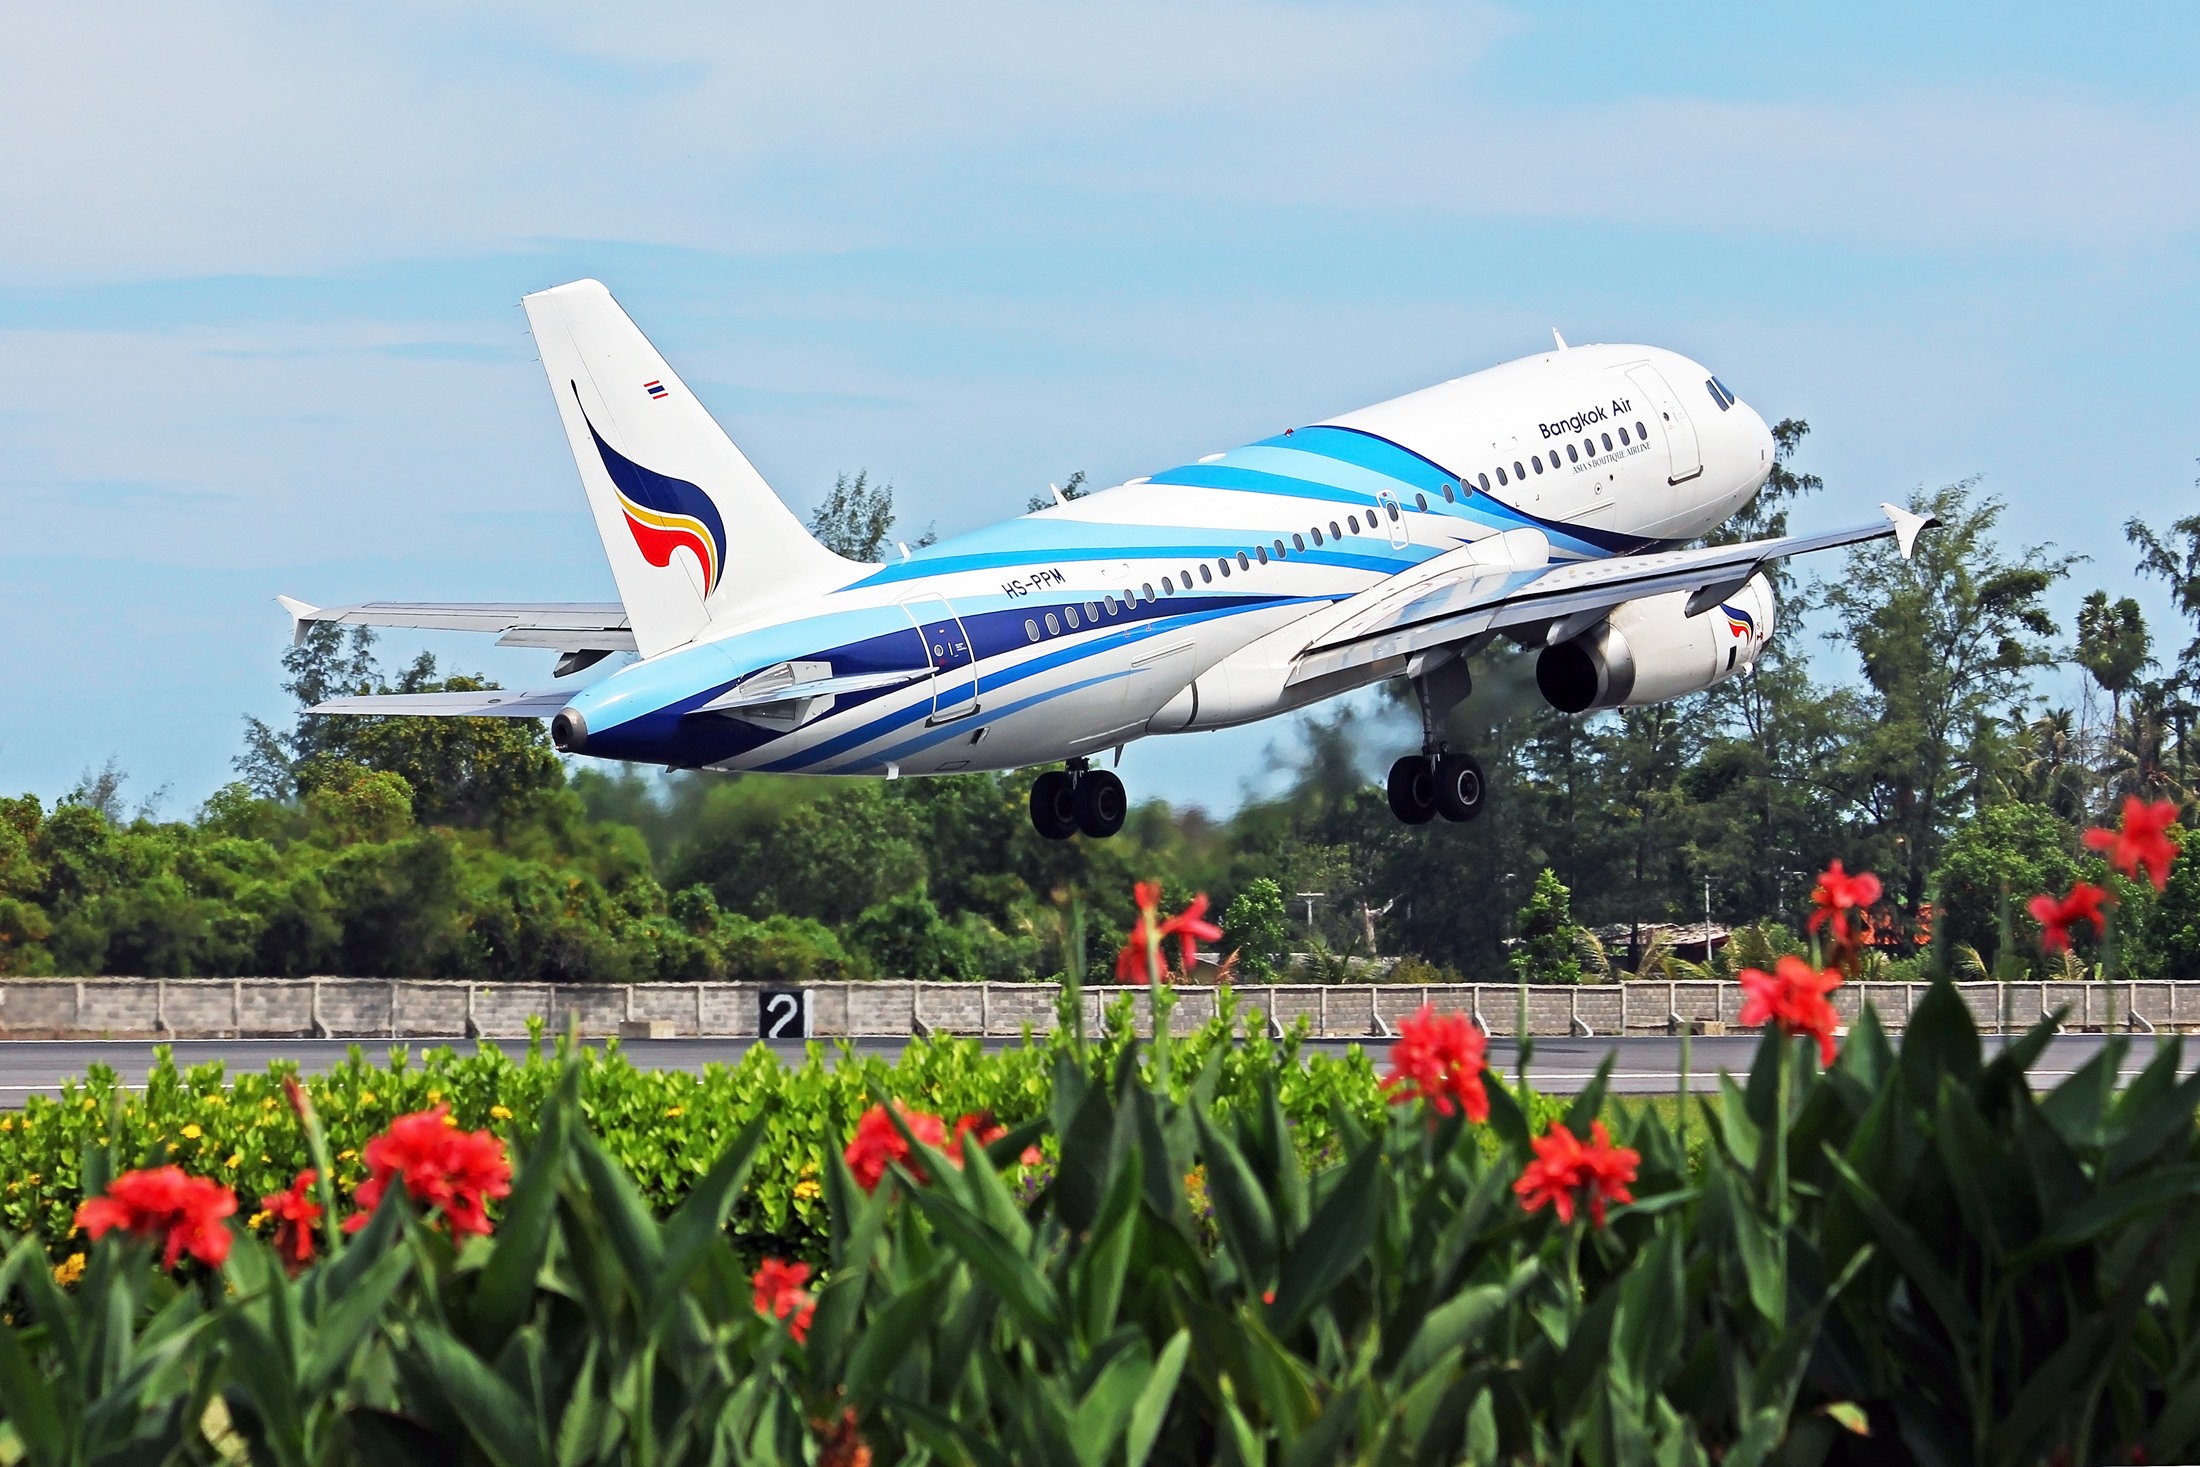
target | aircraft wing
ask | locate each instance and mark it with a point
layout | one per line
(564, 626)
(488, 703)
(1497, 585)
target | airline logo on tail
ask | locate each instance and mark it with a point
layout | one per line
(663, 514)
(1738, 621)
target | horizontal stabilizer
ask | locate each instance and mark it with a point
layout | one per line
(488, 703)
(564, 626)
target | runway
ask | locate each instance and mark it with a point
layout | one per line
(1644, 1065)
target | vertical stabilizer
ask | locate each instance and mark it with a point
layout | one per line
(693, 532)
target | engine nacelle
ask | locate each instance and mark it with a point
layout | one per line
(1650, 650)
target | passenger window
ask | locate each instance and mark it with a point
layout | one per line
(1054, 628)
(1069, 614)
(1607, 443)
(1641, 432)
(1262, 552)
(1484, 481)
(1501, 479)
(1571, 456)
(1149, 589)
(1316, 532)
(1623, 437)
(1298, 542)
(1334, 532)
(1092, 611)
(1223, 565)
(1535, 461)
(1392, 511)
(1245, 561)
(1279, 549)
(1519, 472)
(1111, 604)
(1354, 521)
(1447, 495)
(1168, 586)
(1031, 629)
(1420, 502)
(1207, 575)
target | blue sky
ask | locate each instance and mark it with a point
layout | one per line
(260, 266)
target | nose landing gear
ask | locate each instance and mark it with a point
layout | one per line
(1078, 798)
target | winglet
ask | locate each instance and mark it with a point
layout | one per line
(1558, 338)
(300, 615)
(1906, 526)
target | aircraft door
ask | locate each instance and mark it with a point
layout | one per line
(1394, 519)
(1680, 429)
(954, 660)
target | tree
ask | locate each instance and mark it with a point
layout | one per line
(857, 518)
(1549, 945)
(1945, 637)
(2112, 647)
(1256, 926)
(1992, 867)
(1072, 488)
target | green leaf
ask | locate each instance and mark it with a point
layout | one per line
(31, 1405)
(1322, 1443)
(1452, 1323)
(1336, 1240)
(1021, 1286)
(1940, 1039)
(343, 1324)
(892, 1335)
(632, 1232)
(1242, 1214)
(1151, 1409)
(699, 1225)
(1589, 1104)
(495, 1416)
(507, 1284)
(1099, 1418)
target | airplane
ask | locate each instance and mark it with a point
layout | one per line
(1549, 500)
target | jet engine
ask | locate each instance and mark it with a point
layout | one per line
(1650, 650)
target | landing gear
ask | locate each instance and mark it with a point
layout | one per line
(1436, 781)
(1460, 787)
(1450, 785)
(1413, 789)
(1078, 798)
(1054, 805)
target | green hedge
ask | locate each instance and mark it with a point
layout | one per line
(664, 1127)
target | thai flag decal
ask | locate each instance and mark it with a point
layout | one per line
(1738, 621)
(655, 389)
(663, 514)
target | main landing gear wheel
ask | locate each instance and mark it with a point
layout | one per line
(1413, 789)
(1460, 787)
(1054, 805)
(1101, 803)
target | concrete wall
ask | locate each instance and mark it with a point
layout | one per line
(51, 1008)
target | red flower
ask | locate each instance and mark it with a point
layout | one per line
(1189, 927)
(981, 1122)
(780, 1295)
(1564, 1170)
(1838, 894)
(2056, 918)
(295, 1212)
(878, 1142)
(2142, 842)
(444, 1169)
(163, 1202)
(1441, 1057)
(1795, 998)
(1139, 960)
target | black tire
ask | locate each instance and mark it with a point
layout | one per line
(1054, 805)
(1461, 790)
(1413, 789)
(1101, 804)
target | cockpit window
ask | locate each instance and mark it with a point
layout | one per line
(1719, 394)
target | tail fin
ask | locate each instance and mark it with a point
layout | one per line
(693, 532)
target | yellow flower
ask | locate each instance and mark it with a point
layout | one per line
(347, 1154)
(192, 1132)
(236, 1159)
(32, 1180)
(7, 1123)
(90, 1104)
(435, 1097)
(807, 1190)
(69, 1270)
(256, 1219)
(366, 1097)
(499, 1113)
(672, 1112)
(268, 1103)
